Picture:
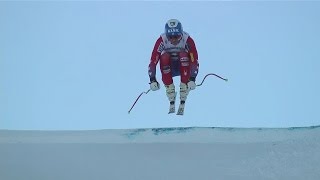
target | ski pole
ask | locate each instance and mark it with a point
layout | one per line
(213, 75)
(144, 92)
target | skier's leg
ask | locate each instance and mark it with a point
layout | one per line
(183, 97)
(183, 92)
(184, 67)
(165, 67)
(184, 75)
(167, 76)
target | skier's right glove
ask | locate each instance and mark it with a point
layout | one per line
(154, 85)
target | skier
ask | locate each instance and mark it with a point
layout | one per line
(178, 56)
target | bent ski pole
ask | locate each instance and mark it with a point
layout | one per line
(213, 75)
(145, 92)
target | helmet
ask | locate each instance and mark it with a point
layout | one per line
(173, 28)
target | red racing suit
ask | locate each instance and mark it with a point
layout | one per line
(175, 60)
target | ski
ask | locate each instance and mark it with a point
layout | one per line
(181, 108)
(172, 108)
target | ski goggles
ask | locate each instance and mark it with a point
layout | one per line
(174, 37)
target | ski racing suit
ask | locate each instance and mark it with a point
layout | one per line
(175, 60)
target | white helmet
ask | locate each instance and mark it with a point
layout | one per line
(173, 28)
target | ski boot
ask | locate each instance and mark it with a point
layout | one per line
(171, 94)
(183, 97)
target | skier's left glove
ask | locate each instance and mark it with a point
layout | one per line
(192, 84)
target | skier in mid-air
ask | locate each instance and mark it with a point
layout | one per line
(178, 56)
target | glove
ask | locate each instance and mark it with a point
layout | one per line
(191, 84)
(154, 85)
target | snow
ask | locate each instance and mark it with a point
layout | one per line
(186, 153)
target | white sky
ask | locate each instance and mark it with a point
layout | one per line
(81, 65)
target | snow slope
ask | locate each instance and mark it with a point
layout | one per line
(186, 153)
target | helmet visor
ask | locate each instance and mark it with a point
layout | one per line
(174, 37)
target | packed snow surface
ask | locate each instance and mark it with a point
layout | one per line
(180, 153)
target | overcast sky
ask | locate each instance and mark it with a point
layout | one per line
(81, 65)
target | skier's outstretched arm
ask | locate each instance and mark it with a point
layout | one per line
(194, 64)
(155, 56)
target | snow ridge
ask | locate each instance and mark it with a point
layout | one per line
(163, 135)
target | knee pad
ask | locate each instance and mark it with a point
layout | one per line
(166, 69)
